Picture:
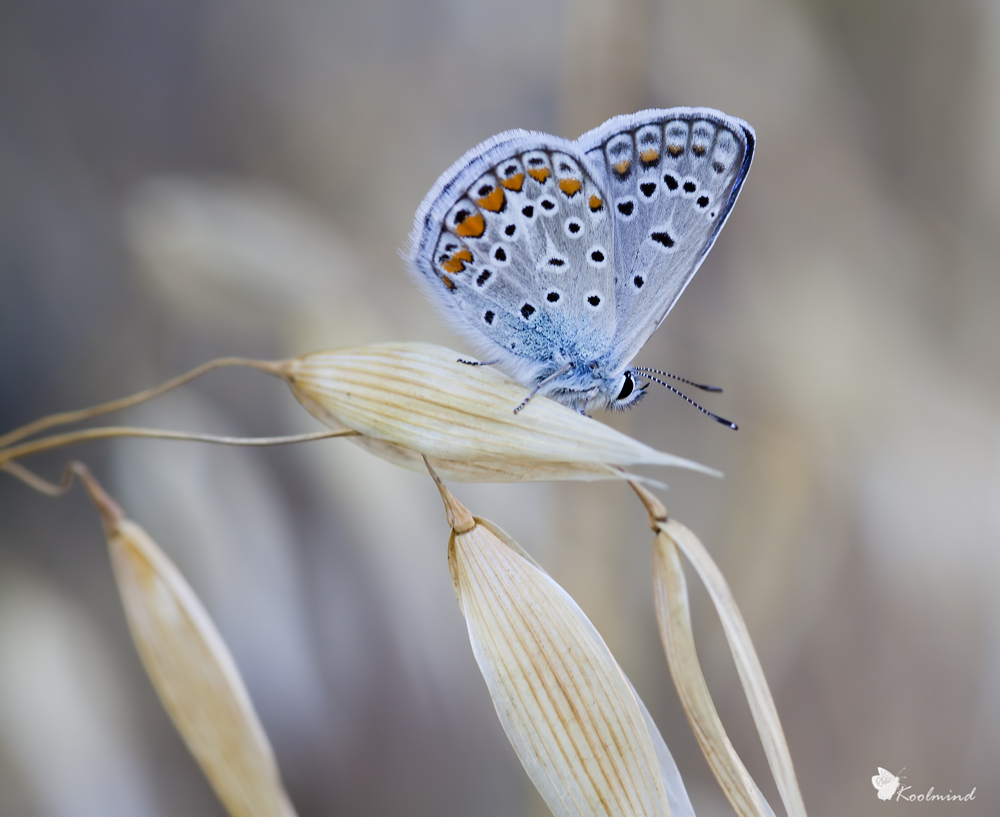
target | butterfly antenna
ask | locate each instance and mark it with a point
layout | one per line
(541, 383)
(681, 379)
(703, 410)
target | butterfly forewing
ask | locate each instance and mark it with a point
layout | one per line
(515, 241)
(671, 177)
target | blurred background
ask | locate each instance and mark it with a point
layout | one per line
(188, 179)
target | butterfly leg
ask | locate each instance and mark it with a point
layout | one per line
(541, 383)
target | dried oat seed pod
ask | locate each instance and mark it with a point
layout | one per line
(580, 731)
(414, 400)
(191, 669)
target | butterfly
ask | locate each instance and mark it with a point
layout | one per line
(559, 258)
(886, 782)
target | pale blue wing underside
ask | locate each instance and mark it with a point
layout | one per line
(515, 242)
(672, 177)
(547, 252)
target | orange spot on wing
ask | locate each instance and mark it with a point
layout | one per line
(540, 174)
(457, 262)
(675, 150)
(622, 166)
(492, 202)
(649, 155)
(596, 203)
(448, 282)
(570, 186)
(698, 150)
(472, 226)
(514, 183)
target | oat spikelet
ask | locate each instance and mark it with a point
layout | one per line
(191, 669)
(674, 618)
(410, 400)
(569, 711)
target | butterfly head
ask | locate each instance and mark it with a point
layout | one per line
(587, 388)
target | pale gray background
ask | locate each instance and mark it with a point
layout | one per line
(186, 179)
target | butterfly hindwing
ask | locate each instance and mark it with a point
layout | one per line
(672, 177)
(516, 242)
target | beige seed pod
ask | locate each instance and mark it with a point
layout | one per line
(674, 617)
(570, 713)
(191, 669)
(414, 400)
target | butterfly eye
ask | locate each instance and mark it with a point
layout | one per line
(627, 387)
(629, 393)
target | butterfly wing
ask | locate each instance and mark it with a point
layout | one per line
(515, 244)
(672, 177)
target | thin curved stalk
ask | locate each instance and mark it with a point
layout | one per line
(66, 417)
(59, 440)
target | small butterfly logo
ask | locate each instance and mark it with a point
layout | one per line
(886, 782)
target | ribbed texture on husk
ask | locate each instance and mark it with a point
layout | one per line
(410, 400)
(565, 704)
(671, 537)
(195, 677)
(674, 616)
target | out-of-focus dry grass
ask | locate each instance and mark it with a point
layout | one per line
(180, 181)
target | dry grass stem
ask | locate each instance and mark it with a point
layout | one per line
(67, 417)
(411, 400)
(567, 708)
(8, 455)
(191, 669)
(676, 632)
(32, 480)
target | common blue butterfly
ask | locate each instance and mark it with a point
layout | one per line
(560, 258)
